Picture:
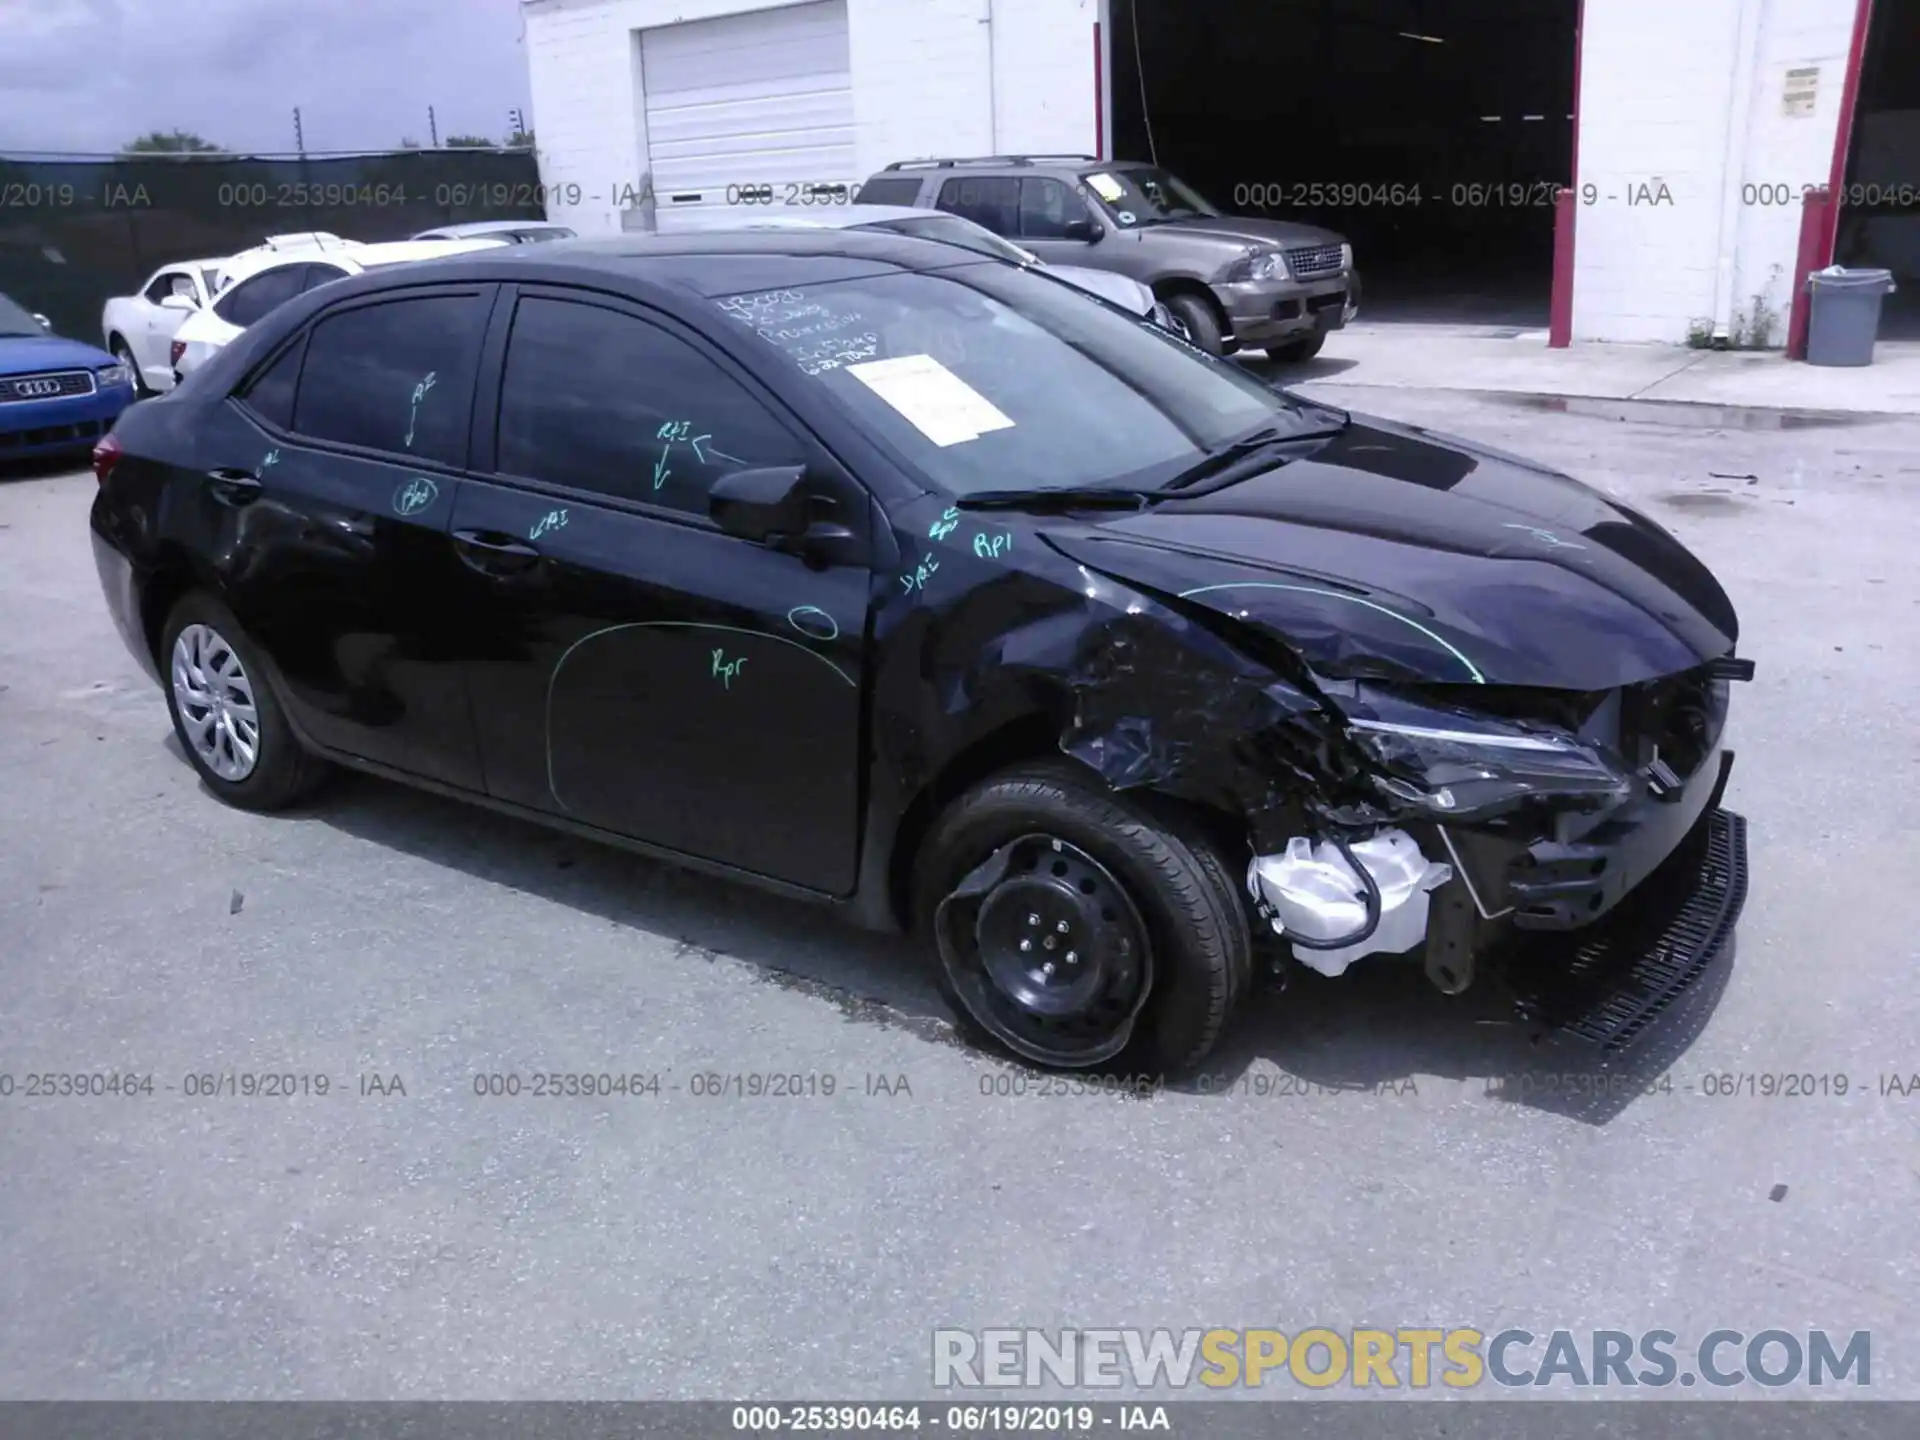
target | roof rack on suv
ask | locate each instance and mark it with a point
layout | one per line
(981, 160)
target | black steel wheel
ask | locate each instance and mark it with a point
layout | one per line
(1077, 931)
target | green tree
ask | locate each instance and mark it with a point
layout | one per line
(520, 140)
(407, 142)
(170, 142)
(470, 142)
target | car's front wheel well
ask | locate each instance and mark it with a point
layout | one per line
(1033, 736)
(1167, 290)
(1028, 738)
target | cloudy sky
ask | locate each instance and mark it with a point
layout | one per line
(90, 75)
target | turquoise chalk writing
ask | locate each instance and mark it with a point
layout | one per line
(916, 579)
(547, 523)
(272, 458)
(813, 622)
(724, 669)
(948, 522)
(992, 547)
(414, 496)
(419, 394)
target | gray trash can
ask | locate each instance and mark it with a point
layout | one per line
(1846, 314)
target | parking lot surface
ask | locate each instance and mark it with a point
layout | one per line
(1366, 1151)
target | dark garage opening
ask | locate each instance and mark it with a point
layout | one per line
(1880, 201)
(1435, 132)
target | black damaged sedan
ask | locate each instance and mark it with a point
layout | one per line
(873, 572)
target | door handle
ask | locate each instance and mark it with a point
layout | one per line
(234, 487)
(493, 553)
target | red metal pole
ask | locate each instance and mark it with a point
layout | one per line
(1566, 211)
(1815, 208)
(1843, 133)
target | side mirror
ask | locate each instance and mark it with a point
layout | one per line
(768, 506)
(45, 323)
(1087, 230)
(178, 302)
(782, 508)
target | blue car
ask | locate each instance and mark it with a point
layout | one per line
(55, 394)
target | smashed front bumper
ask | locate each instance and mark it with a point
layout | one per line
(1608, 983)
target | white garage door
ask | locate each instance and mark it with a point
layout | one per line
(747, 113)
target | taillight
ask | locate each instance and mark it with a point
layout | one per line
(175, 351)
(105, 455)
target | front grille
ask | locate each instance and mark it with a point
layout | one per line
(1312, 261)
(1632, 967)
(51, 385)
(52, 435)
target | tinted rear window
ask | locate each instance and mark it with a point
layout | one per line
(394, 376)
(896, 191)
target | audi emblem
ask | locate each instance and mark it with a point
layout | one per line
(30, 388)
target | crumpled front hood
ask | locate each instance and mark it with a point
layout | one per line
(1392, 553)
(27, 354)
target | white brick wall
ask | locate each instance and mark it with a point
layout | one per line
(920, 85)
(1656, 99)
(1657, 93)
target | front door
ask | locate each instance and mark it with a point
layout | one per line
(636, 669)
(334, 475)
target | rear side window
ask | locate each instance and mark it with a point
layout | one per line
(320, 275)
(270, 396)
(251, 299)
(900, 190)
(989, 200)
(396, 375)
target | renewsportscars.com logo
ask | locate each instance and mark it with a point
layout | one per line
(1415, 1358)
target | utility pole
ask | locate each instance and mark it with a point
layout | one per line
(514, 125)
(433, 128)
(299, 136)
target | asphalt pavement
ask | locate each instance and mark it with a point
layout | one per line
(1366, 1151)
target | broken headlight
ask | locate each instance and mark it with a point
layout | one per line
(1459, 767)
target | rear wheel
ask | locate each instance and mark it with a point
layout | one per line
(225, 712)
(1077, 930)
(123, 352)
(1194, 322)
(1294, 351)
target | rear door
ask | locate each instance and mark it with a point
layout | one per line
(337, 469)
(638, 670)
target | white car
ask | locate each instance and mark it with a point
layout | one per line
(1127, 293)
(514, 232)
(259, 280)
(137, 328)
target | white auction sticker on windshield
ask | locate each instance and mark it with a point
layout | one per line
(934, 400)
(1105, 186)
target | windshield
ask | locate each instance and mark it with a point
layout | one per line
(16, 321)
(986, 377)
(952, 230)
(1147, 195)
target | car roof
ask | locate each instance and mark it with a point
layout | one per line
(351, 258)
(706, 264)
(490, 227)
(834, 217)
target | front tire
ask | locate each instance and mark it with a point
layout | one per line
(225, 713)
(1077, 930)
(123, 352)
(1196, 324)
